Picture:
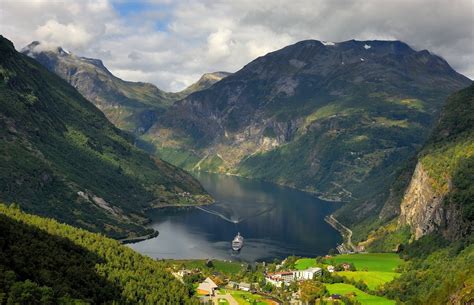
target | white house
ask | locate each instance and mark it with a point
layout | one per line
(279, 278)
(244, 286)
(331, 268)
(307, 274)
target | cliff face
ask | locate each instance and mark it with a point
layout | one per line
(440, 196)
(425, 210)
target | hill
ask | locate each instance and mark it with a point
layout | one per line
(335, 119)
(61, 158)
(44, 262)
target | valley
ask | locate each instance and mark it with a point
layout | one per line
(275, 221)
(317, 173)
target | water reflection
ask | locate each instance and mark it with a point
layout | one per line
(275, 221)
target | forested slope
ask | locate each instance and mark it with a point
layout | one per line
(45, 262)
(60, 157)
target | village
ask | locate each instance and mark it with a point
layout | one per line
(293, 281)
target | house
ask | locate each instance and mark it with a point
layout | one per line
(331, 268)
(346, 266)
(207, 287)
(244, 286)
(307, 274)
(232, 285)
(184, 272)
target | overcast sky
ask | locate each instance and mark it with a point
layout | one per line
(171, 43)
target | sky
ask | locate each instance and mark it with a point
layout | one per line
(172, 43)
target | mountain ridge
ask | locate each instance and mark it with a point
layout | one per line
(131, 106)
(62, 158)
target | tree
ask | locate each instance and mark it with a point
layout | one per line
(311, 290)
(29, 293)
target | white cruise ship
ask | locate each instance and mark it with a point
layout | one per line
(238, 242)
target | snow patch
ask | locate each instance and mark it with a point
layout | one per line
(366, 46)
(328, 43)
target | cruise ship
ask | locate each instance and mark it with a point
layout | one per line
(238, 242)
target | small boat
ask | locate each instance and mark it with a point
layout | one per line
(238, 242)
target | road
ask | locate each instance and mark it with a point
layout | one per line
(226, 296)
(340, 227)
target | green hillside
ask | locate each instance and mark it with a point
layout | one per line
(45, 262)
(61, 158)
(448, 156)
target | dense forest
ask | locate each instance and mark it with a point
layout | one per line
(45, 262)
(437, 272)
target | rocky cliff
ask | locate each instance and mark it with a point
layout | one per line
(425, 210)
(440, 196)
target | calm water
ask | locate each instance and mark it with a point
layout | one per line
(275, 222)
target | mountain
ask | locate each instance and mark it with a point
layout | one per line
(131, 106)
(60, 157)
(439, 194)
(45, 262)
(335, 119)
(206, 81)
(434, 193)
(435, 213)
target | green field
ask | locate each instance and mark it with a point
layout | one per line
(305, 263)
(362, 297)
(246, 298)
(373, 279)
(382, 262)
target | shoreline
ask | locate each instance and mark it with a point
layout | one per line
(133, 240)
(312, 193)
(345, 232)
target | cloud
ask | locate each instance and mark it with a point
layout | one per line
(69, 34)
(171, 43)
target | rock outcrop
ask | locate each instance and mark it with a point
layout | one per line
(426, 211)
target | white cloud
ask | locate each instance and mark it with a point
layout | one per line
(171, 43)
(69, 34)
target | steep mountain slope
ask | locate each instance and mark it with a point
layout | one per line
(45, 262)
(336, 119)
(60, 157)
(440, 197)
(131, 106)
(438, 193)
